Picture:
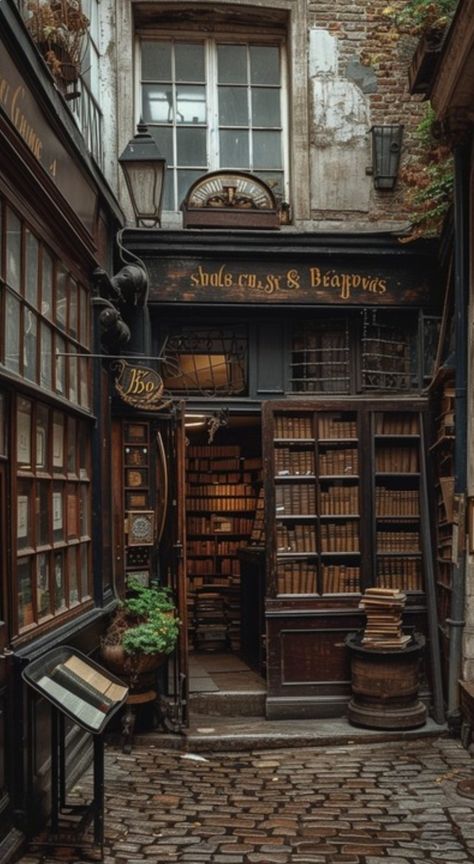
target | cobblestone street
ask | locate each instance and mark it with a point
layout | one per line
(358, 804)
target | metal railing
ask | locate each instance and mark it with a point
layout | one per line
(88, 116)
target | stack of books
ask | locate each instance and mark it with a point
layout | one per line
(384, 607)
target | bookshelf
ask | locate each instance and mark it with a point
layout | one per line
(345, 493)
(221, 502)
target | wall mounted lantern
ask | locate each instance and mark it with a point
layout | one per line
(144, 170)
(386, 150)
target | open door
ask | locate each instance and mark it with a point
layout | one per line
(171, 541)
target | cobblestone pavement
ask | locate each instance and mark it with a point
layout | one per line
(361, 804)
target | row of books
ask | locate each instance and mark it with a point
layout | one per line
(341, 537)
(397, 460)
(293, 461)
(205, 567)
(296, 577)
(257, 537)
(210, 581)
(345, 461)
(339, 579)
(208, 476)
(212, 525)
(300, 538)
(293, 427)
(220, 505)
(397, 424)
(397, 502)
(398, 541)
(213, 450)
(292, 499)
(205, 464)
(218, 490)
(330, 426)
(402, 572)
(340, 501)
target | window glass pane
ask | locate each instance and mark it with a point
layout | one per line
(185, 178)
(73, 307)
(266, 150)
(190, 104)
(163, 136)
(12, 333)
(191, 147)
(31, 280)
(84, 556)
(233, 106)
(84, 530)
(265, 107)
(46, 357)
(58, 441)
(84, 382)
(84, 317)
(58, 512)
(13, 272)
(71, 446)
(234, 149)
(24, 532)
(72, 512)
(232, 64)
(189, 61)
(73, 576)
(61, 297)
(42, 437)
(42, 585)
(60, 365)
(156, 61)
(23, 433)
(29, 344)
(158, 103)
(273, 179)
(59, 592)
(84, 438)
(43, 537)
(25, 593)
(72, 374)
(47, 285)
(264, 64)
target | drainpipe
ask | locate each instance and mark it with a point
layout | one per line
(461, 291)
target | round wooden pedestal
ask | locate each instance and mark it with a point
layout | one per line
(385, 685)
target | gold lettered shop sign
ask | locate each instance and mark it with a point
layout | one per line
(139, 386)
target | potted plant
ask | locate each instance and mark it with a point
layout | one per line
(143, 631)
(58, 27)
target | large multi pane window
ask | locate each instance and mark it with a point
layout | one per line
(53, 542)
(45, 315)
(215, 104)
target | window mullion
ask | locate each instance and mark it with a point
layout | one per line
(212, 98)
(249, 109)
(174, 130)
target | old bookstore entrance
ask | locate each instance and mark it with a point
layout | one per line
(289, 518)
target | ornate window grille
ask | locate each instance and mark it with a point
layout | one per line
(388, 352)
(209, 361)
(320, 358)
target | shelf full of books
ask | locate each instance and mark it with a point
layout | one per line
(344, 487)
(221, 503)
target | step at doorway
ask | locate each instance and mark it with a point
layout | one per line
(221, 684)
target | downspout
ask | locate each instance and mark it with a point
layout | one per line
(461, 289)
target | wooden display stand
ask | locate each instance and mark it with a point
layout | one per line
(89, 695)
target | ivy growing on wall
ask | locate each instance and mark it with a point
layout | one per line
(419, 16)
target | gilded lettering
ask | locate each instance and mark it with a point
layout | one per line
(382, 286)
(4, 91)
(315, 276)
(293, 279)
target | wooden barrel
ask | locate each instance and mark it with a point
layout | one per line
(385, 685)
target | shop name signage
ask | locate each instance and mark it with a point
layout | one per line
(343, 284)
(267, 281)
(18, 104)
(139, 386)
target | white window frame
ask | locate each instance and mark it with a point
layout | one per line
(212, 114)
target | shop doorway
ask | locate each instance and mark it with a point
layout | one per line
(225, 565)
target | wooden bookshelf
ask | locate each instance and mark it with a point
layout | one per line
(221, 502)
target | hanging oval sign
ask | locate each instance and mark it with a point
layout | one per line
(139, 386)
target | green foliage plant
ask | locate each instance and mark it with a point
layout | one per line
(419, 16)
(429, 177)
(145, 621)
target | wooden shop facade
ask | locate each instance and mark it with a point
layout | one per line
(300, 470)
(57, 223)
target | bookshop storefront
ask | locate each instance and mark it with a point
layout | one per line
(302, 362)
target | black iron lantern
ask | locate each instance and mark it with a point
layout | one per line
(386, 149)
(144, 170)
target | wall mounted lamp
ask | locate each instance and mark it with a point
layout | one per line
(144, 170)
(386, 150)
